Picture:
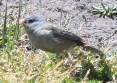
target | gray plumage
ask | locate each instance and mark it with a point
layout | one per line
(52, 38)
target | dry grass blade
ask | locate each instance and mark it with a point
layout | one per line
(5, 22)
(58, 64)
(19, 12)
(86, 75)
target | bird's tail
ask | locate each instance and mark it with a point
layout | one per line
(93, 49)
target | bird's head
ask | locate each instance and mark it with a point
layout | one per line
(28, 20)
(32, 24)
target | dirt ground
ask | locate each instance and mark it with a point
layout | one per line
(74, 15)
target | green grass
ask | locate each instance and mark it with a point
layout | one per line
(105, 11)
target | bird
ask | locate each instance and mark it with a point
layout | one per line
(52, 37)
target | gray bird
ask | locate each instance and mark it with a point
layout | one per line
(52, 38)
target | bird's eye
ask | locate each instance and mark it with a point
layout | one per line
(30, 21)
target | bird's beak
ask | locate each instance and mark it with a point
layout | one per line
(22, 21)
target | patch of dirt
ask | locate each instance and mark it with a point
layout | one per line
(74, 14)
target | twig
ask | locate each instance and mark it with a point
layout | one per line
(1, 2)
(40, 3)
(80, 27)
(110, 36)
(85, 19)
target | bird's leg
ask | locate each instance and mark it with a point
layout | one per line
(67, 54)
(33, 49)
(58, 55)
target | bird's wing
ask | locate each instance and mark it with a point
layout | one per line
(60, 32)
